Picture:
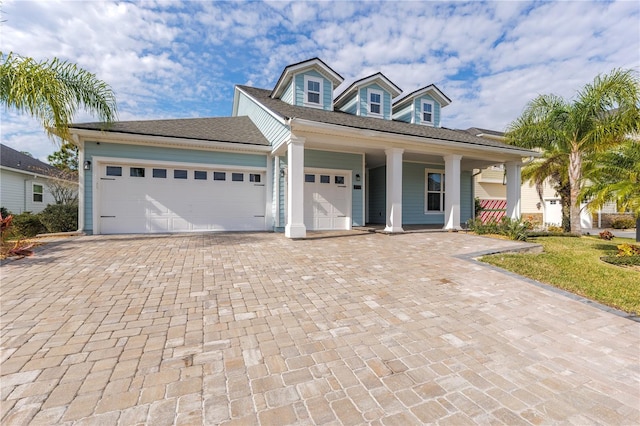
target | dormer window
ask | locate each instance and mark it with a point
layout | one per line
(375, 102)
(313, 91)
(427, 112)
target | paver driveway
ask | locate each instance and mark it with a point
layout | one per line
(256, 328)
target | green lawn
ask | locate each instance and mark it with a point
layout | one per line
(574, 264)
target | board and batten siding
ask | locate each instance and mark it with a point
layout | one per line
(467, 203)
(272, 129)
(364, 101)
(154, 153)
(417, 108)
(327, 89)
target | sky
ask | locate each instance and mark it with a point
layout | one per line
(179, 59)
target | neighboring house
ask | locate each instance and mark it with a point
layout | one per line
(24, 182)
(292, 159)
(490, 188)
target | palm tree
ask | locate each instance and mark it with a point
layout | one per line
(52, 91)
(602, 115)
(614, 176)
(552, 168)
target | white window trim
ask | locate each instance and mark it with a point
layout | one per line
(308, 78)
(381, 94)
(33, 192)
(426, 191)
(433, 113)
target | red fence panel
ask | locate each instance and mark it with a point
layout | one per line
(492, 210)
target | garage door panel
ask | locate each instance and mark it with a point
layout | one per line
(327, 201)
(147, 204)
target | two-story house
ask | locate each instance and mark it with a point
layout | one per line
(293, 158)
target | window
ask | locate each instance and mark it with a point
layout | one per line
(434, 197)
(427, 112)
(200, 175)
(237, 177)
(114, 171)
(219, 176)
(136, 171)
(325, 179)
(38, 193)
(313, 91)
(160, 173)
(339, 180)
(254, 177)
(310, 178)
(375, 102)
(179, 174)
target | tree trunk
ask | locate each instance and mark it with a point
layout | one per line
(575, 174)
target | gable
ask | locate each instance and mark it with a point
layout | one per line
(365, 99)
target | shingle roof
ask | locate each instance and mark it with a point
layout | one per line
(339, 118)
(13, 159)
(478, 131)
(239, 130)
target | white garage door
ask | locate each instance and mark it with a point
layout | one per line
(553, 212)
(327, 201)
(148, 199)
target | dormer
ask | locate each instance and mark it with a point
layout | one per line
(368, 97)
(421, 107)
(309, 83)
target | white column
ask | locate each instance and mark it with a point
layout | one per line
(513, 189)
(295, 201)
(394, 190)
(452, 191)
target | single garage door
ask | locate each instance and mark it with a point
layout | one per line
(150, 199)
(327, 201)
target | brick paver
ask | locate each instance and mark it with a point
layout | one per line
(253, 328)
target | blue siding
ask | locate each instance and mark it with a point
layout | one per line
(327, 89)
(378, 195)
(403, 114)
(159, 154)
(351, 106)
(364, 101)
(413, 181)
(418, 110)
(287, 96)
(272, 129)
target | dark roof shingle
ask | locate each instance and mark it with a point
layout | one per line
(217, 129)
(13, 159)
(340, 118)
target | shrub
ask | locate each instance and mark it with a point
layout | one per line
(551, 234)
(606, 235)
(553, 228)
(622, 261)
(623, 223)
(4, 212)
(513, 229)
(26, 225)
(60, 217)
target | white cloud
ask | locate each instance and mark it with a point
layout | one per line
(177, 59)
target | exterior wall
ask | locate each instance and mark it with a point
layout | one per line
(413, 202)
(140, 152)
(16, 192)
(417, 109)
(287, 95)
(272, 129)
(403, 114)
(327, 89)
(364, 101)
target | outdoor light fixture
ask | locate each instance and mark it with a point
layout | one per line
(357, 177)
(87, 165)
(281, 172)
